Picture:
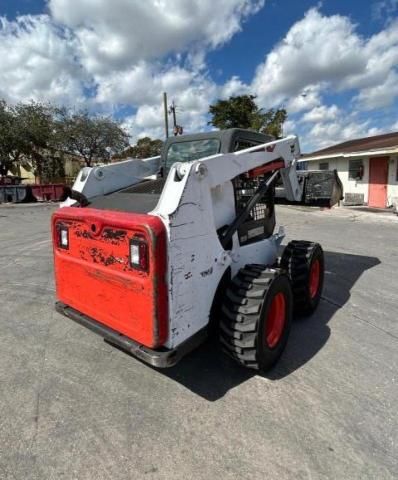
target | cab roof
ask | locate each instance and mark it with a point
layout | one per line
(227, 138)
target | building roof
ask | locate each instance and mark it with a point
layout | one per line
(366, 144)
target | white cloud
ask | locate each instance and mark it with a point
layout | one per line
(385, 9)
(127, 52)
(321, 114)
(116, 34)
(307, 99)
(289, 127)
(120, 51)
(325, 126)
(149, 116)
(143, 83)
(323, 135)
(327, 53)
(317, 49)
(38, 62)
(192, 107)
(137, 130)
(381, 53)
(382, 95)
(234, 86)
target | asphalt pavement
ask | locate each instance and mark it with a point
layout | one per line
(73, 407)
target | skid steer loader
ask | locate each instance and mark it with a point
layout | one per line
(150, 253)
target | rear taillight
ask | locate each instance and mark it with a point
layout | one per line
(63, 236)
(139, 257)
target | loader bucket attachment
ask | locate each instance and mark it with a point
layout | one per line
(321, 188)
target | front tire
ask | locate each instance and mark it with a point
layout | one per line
(257, 315)
(304, 263)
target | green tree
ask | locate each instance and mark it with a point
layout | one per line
(27, 137)
(8, 140)
(94, 138)
(273, 122)
(12, 145)
(243, 112)
(37, 136)
(53, 168)
(36, 132)
(236, 112)
(144, 148)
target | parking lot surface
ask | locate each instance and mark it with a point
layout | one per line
(73, 407)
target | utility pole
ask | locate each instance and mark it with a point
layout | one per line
(173, 111)
(166, 113)
(178, 130)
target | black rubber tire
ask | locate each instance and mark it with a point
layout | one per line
(297, 260)
(245, 312)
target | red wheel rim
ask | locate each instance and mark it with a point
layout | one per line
(315, 277)
(275, 320)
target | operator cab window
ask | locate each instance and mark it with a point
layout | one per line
(191, 150)
(243, 144)
(260, 222)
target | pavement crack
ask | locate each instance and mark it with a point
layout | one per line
(36, 416)
(336, 304)
(332, 302)
(395, 337)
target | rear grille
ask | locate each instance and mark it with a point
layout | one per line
(148, 186)
(245, 188)
(260, 222)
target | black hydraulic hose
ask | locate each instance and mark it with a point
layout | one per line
(79, 197)
(262, 190)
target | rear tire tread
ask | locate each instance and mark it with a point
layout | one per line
(296, 261)
(239, 327)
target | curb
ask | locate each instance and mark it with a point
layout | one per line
(29, 205)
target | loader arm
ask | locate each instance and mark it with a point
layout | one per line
(104, 179)
(281, 154)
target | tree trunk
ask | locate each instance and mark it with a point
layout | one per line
(4, 167)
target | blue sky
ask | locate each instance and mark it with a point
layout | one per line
(271, 24)
(331, 64)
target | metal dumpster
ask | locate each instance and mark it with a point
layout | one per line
(54, 192)
(16, 194)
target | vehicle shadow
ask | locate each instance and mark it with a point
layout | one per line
(211, 374)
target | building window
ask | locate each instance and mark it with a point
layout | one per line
(355, 169)
(302, 165)
(324, 166)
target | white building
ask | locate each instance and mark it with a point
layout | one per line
(368, 168)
